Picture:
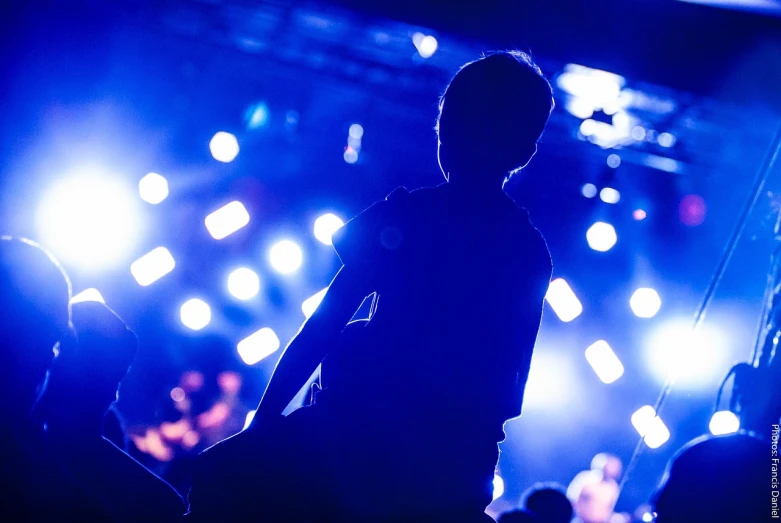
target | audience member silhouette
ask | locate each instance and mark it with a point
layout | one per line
(83, 385)
(414, 400)
(519, 516)
(548, 502)
(721, 478)
(56, 384)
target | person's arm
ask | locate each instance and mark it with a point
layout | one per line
(310, 346)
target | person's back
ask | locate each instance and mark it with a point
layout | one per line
(414, 400)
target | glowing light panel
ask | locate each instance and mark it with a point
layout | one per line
(724, 422)
(195, 314)
(645, 302)
(286, 257)
(152, 266)
(325, 227)
(258, 345)
(650, 427)
(91, 294)
(563, 301)
(226, 220)
(601, 237)
(604, 362)
(243, 283)
(224, 147)
(311, 304)
(153, 188)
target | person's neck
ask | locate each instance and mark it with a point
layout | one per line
(476, 189)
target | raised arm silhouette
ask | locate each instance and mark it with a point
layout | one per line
(414, 398)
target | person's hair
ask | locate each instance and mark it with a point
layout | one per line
(548, 502)
(494, 110)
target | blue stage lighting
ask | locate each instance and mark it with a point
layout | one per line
(325, 226)
(257, 116)
(91, 220)
(601, 236)
(650, 427)
(195, 314)
(604, 362)
(645, 302)
(152, 266)
(224, 147)
(563, 301)
(226, 220)
(153, 188)
(425, 44)
(258, 345)
(609, 195)
(286, 257)
(243, 283)
(724, 422)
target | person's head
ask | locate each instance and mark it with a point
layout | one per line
(548, 502)
(490, 118)
(730, 472)
(609, 465)
(519, 516)
(35, 295)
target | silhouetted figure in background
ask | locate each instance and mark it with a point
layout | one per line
(594, 492)
(414, 400)
(83, 385)
(548, 502)
(54, 464)
(518, 516)
(718, 479)
(34, 293)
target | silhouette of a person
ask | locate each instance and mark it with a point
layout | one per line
(414, 399)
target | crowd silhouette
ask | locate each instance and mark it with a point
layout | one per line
(405, 422)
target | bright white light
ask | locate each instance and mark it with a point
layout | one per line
(599, 89)
(638, 133)
(226, 220)
(589, 190)
(243, 283)
(579, 108)
(325, 227)
(153, 188)
(695, 358)
(604, 134)
(609, 195)
(553, 382)
(195, 314)
(601, 236)
(650, 427)
(89, 219)
(286, 257)
(311, 304)
(258, 345)
(350, 155)
(356, 131)
(498, 484)
(152, 266)
(425, 44)
(666, 139)
(224, 147)
(563, 301)
(88, 295)
(647, 517)
(645, 302)
(604, 362)
(724, 422)
(248, 419)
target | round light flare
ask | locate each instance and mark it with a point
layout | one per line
(694, 358)
(243, 284)
(153, 188)
(325, 227)
(286, 257)
(601, 236)
(589, 190)
(724, 422)
(356, 131)
(639, 215)
(224, 147)
(425, 44)
(195, 314)
(90, 220)
(645, 302)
